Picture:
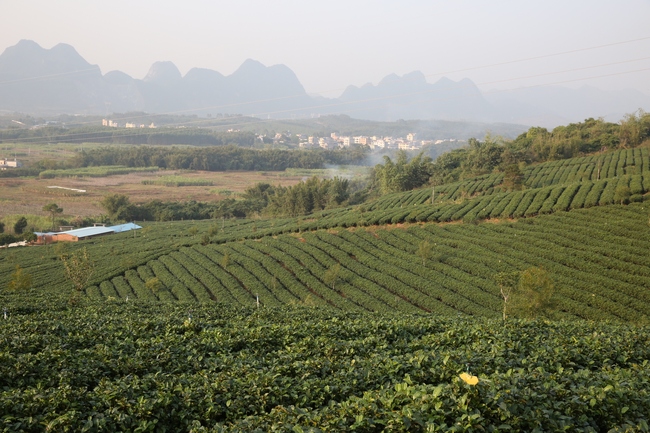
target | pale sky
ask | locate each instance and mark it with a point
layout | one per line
(332, 44)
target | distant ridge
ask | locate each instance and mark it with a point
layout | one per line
(53, 81)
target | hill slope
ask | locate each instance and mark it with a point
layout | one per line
(364, 259)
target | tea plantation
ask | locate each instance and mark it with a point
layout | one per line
(361, 318)
(209, 367)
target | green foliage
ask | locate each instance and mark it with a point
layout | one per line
(217, 158)
(535, 293)
(424, 251)
(117, 206)
(507, 282)
(513, 178)
(20, 225)
(78, 268)
(622, 193)
(53, 209)
(177, 181)
(20, 280)
(95, 171)
(402, 175)
(123, 366)
(331, 276)
(635, 128)
(153, 284)
(225, 260)
(6, 238)
(305, 197)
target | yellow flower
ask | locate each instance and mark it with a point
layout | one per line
(469, 379)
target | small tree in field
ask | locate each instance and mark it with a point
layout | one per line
(53, 209)
(507, 282)
(535, 292)
(153, 284)
(225, 260)
(332, 275)
(20, 280)
(78, 268)
(20, 225)
(424, 251)
(513, 178)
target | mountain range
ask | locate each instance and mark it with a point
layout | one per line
(42, 81)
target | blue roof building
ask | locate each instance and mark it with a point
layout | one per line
(84, 233)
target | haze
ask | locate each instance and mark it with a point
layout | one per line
(330, 45)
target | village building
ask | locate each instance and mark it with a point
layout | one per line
(83, 233)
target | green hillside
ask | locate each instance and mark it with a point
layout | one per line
(601, 270)
(386, 316)
(360, 259)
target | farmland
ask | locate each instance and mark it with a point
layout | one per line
(360, 317)
(213, 367)
(29, 195)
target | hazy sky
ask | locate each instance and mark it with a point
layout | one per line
(331, 44)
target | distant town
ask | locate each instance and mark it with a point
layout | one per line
(113, 124)
(335, 141)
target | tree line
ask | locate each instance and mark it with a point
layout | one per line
(303, 198)
(217, 158)
(540, 145)
(108, 135)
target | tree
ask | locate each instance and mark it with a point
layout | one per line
(20, 225)
(535, 292)
(225, 260)
(78, 268)
(2, 227)
(332, 275)
(424, 251)
(513, 178)
(507, 282)
(402, 175)
(20, 280)
(117, 206)
(53, 209)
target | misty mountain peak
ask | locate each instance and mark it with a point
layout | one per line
(389, 79)
(250, 66)
(25, 45)
(202, 74)
(412, 78)
(445, 82)
(415, 77)
(64, 49)
(117, 78)
(27, 58)
(163, 73)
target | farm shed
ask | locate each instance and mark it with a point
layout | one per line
(83, 233)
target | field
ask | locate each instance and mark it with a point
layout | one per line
(211, 367)
(28, 196)
(382, 316)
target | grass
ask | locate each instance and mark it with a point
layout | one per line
(102, 171)
(178, 181)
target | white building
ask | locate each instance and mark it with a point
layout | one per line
(5, 164)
